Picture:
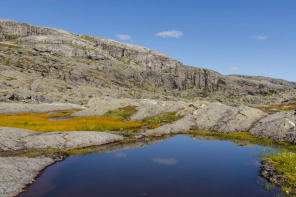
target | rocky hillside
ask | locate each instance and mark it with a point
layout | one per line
(50, 65)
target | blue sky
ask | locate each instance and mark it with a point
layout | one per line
(249, 37)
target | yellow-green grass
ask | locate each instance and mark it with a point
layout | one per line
(281, 107)
(123, 113)
(285, 161)
(33, 153)
(63, 113)
(40, 122)
(167, 117)
(243, 136)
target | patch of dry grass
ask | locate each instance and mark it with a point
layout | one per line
(40, 122)
(281, 107)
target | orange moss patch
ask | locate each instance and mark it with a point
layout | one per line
(39, 122)
(282, 107)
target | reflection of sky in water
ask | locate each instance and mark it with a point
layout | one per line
(180, 166)
(120, 155)
(165, 161)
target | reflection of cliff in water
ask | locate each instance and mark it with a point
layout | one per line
(213, 138)
(130, 145)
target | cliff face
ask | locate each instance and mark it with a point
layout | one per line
(46, 64)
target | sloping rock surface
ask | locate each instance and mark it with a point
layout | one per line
(41, 64)
(16, 139)
(17, 172)
(278, 127)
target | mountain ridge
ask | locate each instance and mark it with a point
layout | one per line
(89, 65)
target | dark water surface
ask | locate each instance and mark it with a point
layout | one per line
(180, 166)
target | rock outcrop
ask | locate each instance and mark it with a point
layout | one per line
(17, 172)
(41, 64)
(279, 127)
(216, 117)
(17, 139)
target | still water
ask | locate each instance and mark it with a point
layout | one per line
(179, 166)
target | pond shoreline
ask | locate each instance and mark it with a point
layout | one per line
(258, 124)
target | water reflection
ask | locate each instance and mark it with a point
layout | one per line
(120, 155)
(180, 166)
(165, 161)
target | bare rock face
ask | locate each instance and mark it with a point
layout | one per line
(180, 126)
(10, 138)
(225, 119)
(70, 140)
(14, 28)
(216, 117)
(278, 127)
(17, 139)
(78, 68)
(17, 172)
(13, 108)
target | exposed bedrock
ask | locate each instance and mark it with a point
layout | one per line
(16, 139)
(205, 116)
(17, 172)
(41, 64)
(278, 127)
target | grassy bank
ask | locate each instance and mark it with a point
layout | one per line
(285, 161)
(243, 136)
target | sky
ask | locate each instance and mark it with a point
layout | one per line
(248, 37)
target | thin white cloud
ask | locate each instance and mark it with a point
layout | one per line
(120, 155)
(165, 161)
(259, 37)
(172, 34)
(233, 68)
(123, 37)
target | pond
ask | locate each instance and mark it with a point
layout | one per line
(179, 166)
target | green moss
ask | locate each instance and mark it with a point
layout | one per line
(14, 41)
(243, 136)
(167, 117)
(81, 151)
(88, 38)
(30, 60)
(133, 139)
(282, 107)
(123, 113)
(11, 37)
(63, 113)
(10, 79)
(9, 46)
(285, 161)
(33, 153)
(8, 62)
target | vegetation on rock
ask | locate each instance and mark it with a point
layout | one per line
(282, 107)
(123, 113)
(40, 122)
(285, 161)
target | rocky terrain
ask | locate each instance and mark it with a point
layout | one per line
(40, 64)
(48, 70)
(199, 115)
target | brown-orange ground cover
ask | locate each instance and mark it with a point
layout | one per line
(40, 122)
